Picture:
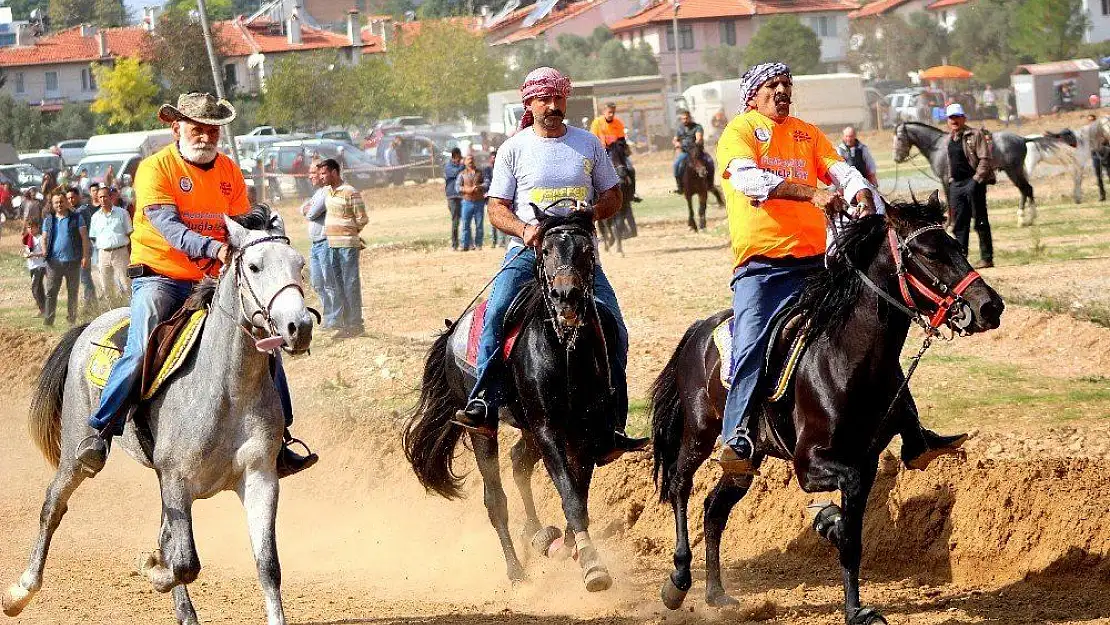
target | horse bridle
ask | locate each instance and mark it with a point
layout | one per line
(951, 308)
(262, 310)
(566, 336)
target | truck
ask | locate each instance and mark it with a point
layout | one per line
(642, 103)
(830, 101)
(122, 152)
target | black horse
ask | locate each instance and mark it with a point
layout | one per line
(836, 419)
(696, 181)
(1008, 154)
(622, 225)
(560, 397)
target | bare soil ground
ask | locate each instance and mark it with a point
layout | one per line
(1013, 533)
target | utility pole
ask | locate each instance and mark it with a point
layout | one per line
(202, 11)
(677, 48)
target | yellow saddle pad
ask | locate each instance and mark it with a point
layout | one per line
(722, 339)
(109, 347)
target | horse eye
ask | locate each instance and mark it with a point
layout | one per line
(254, 268)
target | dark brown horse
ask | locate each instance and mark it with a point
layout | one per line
(622, 225)
(837, 418)
(697, 181)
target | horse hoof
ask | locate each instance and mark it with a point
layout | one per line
(720, 600)
(597, 579)
(672, 595)
(15, 599)
(826, 518)
(867, 616)
(543, 541)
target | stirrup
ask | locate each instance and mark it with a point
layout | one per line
(289, 439)
(483, 428)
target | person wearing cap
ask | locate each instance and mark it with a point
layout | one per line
(183, 193)
(545, 161)
(970, 170)
(607, 127)
(777, 224)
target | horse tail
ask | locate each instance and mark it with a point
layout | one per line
(430, 438)
(45, 420)
(668, 419)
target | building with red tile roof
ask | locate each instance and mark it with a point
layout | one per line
(575, 18)
(704, 24)
(57, 68)
(882, 8)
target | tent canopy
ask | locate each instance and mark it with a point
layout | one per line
(946, 72)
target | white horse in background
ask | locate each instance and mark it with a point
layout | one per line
(1069, 149)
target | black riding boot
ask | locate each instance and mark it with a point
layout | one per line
(678, 185)
(92, 452)
(632, 179)
(290, 462)
(736, 458)
(921, 446)
(611, 448)
(476, 418)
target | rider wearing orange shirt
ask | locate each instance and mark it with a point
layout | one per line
(607, 127)
(183, 193)
(776, 216)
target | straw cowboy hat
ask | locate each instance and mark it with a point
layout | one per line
(201, 108)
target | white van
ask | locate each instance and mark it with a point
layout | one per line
(122, 152)
(828, 100)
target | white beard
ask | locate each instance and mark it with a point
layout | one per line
(201, 156)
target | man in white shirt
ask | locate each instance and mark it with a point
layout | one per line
(110, 230)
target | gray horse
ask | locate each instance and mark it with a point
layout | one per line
(215, 426)
(1008, 155)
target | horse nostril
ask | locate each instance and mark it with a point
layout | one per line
(292, 329)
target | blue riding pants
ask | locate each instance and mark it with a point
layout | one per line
(683, 157)
(317, 275)
(760, 290)
(153, 300)
(517, 274)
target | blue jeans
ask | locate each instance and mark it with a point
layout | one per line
(153, 300)
(517, 274)
(760, 290)
(87, 284)
(345, 286)
(683, 157)
(317, 275)
(472, 212)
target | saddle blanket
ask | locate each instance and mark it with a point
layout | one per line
(109, 347)
(468, 332)
(722, 339)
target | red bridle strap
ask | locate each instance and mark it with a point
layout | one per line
(906, 280)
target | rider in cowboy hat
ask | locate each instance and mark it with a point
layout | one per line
(776, 217)
(182, 194)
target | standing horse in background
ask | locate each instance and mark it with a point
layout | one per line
(623, 224)
(1008, 155)
(215, 426)
(842, 410)
(560, 396)
(696, 181)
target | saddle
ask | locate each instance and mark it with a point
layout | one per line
(788, 342)
(467, 332)
(168, 347)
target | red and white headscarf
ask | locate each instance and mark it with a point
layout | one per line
(542, 82)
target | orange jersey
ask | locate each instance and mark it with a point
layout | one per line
(607, 132)
(202, 199)
(799, 153)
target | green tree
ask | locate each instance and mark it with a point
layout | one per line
(723, 62)
(784, 38)
(879, 45)
(73, 121)
(1050, 30)
(292, 95)
(127, 95)
(20, 125)
(931, 44)
(595, 57)
(68, 13)
(177, 53)
(21, 9)
(217, 9)
(109, 13)
(981, 40)
(445, 71)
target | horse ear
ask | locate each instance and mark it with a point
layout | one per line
(236, 234)
(934, 198)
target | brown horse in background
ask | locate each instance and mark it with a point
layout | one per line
(696, 181)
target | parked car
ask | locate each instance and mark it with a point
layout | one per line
(71, 150)
(47, 162)
(262, 131)
(21, 175)
(358, 168)
(336, 135)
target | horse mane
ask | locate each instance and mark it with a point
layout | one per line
(258, 218)
(576, 218)
(828, 297)
(923, 125)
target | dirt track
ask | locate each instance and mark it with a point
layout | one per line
(1013, 534)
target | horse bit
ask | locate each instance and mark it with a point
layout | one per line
(566, 336)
